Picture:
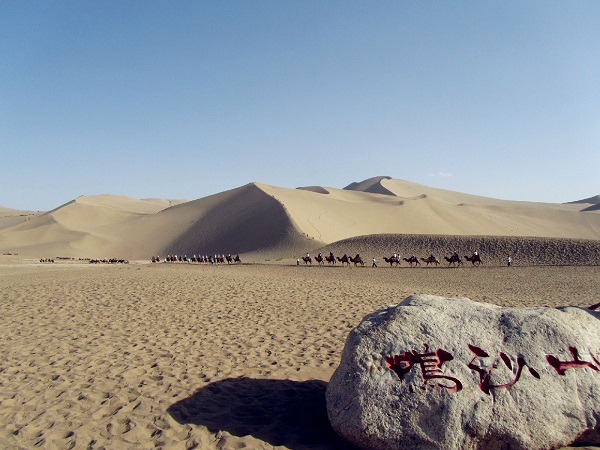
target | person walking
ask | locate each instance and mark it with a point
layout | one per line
(508, 261)
(374, 263)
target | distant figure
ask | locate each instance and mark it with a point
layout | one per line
(374, 263)
(508, 261)
(297, 261)
(432, 255)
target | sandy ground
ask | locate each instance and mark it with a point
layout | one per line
(195, 356)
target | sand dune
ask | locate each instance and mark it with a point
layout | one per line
(84, 227)
(268, 221)
(410, 208)
(11, 217)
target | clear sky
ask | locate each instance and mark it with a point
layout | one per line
(184, 99)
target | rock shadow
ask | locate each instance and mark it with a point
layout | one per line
(280, 412)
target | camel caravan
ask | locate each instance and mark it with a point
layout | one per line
(108, 261)
(210, 259)
(89, 260)
(395, 260)
(330, 259)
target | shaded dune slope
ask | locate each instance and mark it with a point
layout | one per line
(494, 250)
(373, 185)
(595, 200)
(243, 220)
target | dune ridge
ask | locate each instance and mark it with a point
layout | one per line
(595, 200)
(373, 185)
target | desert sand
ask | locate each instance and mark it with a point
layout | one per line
(183, 356)
(199, 356)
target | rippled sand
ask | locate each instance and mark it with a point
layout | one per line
(195, 356)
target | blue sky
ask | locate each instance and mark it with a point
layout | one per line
(184, 99)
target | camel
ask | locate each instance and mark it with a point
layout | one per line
(474, 259)
(454, 259)
(319, 259)
(307, 260)
(392, 260)
(330, 259)
(344, 260)
(412, 260)
(237, 259)
(431, 260)
(357, 260)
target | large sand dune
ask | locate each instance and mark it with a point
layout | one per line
(258, 219)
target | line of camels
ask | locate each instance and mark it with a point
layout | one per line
(453, 260)
(216, 259)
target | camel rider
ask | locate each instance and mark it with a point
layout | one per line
(475, 253)
(432, 256)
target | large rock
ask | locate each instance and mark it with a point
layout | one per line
(435, 372)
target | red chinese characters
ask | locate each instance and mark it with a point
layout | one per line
(430, 364)
(485, 374)
(575, 363)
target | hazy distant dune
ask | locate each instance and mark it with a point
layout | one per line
(88, 226)
(10, 217)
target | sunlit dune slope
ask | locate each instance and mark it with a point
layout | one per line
(410, 208)
(11, 217)
(88, 226)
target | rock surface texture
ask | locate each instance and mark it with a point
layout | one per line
(442, 373)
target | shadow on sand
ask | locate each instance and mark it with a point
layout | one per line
(280, 412)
